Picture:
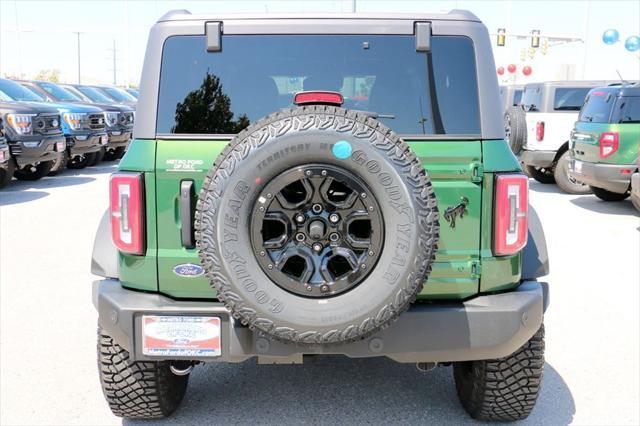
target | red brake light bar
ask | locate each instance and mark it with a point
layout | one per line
(126, 209)
(318, 97)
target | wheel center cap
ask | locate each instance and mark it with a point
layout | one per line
(316, 229)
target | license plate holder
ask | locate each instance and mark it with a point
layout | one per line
(181, 336)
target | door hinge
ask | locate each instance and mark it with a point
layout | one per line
(477, 172)
(476, 268)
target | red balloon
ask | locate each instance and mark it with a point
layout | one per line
(511, 68)
(527, 70)
(500, 70)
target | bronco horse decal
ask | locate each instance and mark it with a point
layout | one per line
(451, 212)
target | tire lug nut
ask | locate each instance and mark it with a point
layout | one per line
(270, 266)
(300, 218)
(334, 237)
(363, 266)
(309, 288)
(262, 253)
(334, 218)
(370, 252)
(324, 288)
(308, 172)
(316, 208)
(269, 196)
(300, 237)
(363, 195)
(370, 208)
(317, 247)
(261, 208)
(324, 173)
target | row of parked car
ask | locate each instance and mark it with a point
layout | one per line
(46, 127)
(583, 136)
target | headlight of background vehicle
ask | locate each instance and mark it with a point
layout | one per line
(21, 123)
(74, 119)
(111, 118)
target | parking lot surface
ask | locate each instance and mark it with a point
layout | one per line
(48, 326)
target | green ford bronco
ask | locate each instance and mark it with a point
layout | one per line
(605, 140)
(320, 184)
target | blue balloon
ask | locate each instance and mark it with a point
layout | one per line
(632, 43)
(610, 36)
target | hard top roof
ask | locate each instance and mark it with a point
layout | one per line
(570, 83)
(625, 89)
(453, 15)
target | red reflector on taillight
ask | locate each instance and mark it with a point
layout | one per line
(318, 97)
(608, 143)
(126, 208)
(511, 206)
(539, 130)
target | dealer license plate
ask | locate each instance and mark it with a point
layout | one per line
(577, 166)
(181, 336)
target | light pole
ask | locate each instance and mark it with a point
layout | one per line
(77, 33)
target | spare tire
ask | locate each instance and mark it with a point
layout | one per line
(317, 225)
(515, 128)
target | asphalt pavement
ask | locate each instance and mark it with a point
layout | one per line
(48, 371)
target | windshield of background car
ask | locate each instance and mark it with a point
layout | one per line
(17, 92)
(94, 95)
(413, 92)
(118, 95)
(58, 92)
(597, 107)
(531, 98)
(626, 110)
(570, 98)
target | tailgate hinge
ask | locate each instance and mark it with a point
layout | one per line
(476, 268)
(477, 172)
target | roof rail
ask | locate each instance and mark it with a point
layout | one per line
(170, 14)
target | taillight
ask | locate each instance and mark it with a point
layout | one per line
(126, 207)
(511, 205)
(608, 144)
(318, 97)
(539, 131)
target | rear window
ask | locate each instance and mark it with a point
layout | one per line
(517, 97)
(223, 92)
(626, 110)
(570, 98)
(531, 98)
(597, 107)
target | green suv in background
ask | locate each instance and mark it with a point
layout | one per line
(314, 185)
(605, 139)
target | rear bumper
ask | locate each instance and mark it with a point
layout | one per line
(537, 158)
(600, 175)
(635, 186)
(485, 327)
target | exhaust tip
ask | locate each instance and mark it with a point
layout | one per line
(181, 368)
(426, 366)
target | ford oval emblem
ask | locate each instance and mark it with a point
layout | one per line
(188, 270)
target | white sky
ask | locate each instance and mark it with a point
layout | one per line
(46, 38)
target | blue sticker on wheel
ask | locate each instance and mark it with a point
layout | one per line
(342, 150)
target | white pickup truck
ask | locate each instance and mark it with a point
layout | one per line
(551, 110)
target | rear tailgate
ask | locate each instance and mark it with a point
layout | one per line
(586, 142)
(454, 167)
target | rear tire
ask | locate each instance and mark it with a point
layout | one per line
(81, 161)
(542, 175)
(636, 203)
(7, 174)
(98, 158)
(504, 389)
(59, 165)
(34, 172)
(566, 182)
(137, 390)
(515, 128)
(605, 195)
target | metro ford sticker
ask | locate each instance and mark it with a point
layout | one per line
(188, 270)
(176, 165)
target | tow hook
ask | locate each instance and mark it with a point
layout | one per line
(181, 368)
(426, 366)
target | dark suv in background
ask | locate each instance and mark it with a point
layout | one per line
(119, 118)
